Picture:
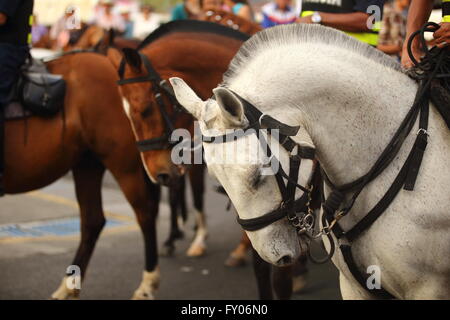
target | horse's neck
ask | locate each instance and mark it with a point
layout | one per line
(350, 108)
(199, 59)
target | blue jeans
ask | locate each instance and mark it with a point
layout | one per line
(11, 59)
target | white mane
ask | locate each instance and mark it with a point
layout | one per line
(296, 35)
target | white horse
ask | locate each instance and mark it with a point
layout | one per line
(349, 99)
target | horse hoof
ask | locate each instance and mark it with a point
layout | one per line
(196, 251)
(141, 295)
(298, 283)
(167, 251)
(235, 262)
(148, 287)
(64, 293)
(65, 296)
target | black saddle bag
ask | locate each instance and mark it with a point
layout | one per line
(42, 93)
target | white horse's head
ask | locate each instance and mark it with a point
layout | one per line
(243, 169)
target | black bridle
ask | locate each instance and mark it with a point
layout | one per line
(295, 210)
(159, 86)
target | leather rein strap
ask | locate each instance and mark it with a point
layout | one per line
(289, 207)
(158, 86)
(406, 178)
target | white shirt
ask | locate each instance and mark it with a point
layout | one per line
(142, 27)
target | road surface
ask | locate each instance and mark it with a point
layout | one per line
(39, 236)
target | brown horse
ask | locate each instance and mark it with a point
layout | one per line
(172, 54)
(198, 52)
(94, 38)
(95, 137)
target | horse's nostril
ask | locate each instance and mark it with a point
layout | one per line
(163, 178)
(285, 260)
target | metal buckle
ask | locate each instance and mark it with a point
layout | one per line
(422, 130)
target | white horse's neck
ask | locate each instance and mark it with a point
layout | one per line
(350, 105)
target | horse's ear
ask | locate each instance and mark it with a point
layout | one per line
(133, 59)
(114, 56)
(230, 105)
(187, 97)
(105, 42)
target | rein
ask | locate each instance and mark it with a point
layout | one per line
(158, 87)
(335, 207)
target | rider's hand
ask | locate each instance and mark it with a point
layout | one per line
(406, 60)
(442, 35)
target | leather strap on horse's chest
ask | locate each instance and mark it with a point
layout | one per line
(406, 178)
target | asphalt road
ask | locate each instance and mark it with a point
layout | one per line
(39, 236)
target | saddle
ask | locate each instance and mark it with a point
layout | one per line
(37, 92)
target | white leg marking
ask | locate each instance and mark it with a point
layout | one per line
(198, 246)
(149, 285)
(64, 293)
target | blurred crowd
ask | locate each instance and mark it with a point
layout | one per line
(138, 24)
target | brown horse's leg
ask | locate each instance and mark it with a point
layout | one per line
(177, 205)
(143, 197)
(282, 282)
(238, 256)
(263, 271)
(299, 274)
(87, 174)
(197, 179)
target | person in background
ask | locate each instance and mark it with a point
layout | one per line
(129, 24)
(211, 5)
(188, 9)
(60, 30)
(278, 12)
(393, 28)
(37, 30)
(15, 41)
(357, 18)
(107, 19)
(145, 22)
(240, 8)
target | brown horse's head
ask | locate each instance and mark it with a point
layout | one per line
(147, 115)
(197, 52)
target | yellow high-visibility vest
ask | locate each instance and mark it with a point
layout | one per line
(445, 10)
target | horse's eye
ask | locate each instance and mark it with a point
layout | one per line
(146, 112)
(256, 179)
